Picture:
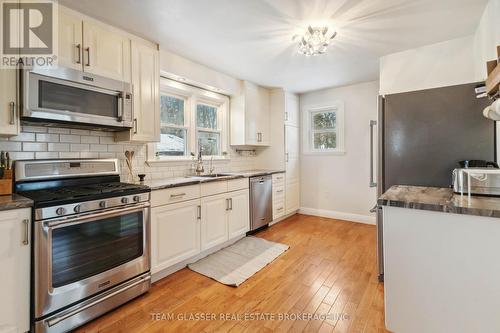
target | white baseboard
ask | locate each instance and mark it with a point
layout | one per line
(366, 219)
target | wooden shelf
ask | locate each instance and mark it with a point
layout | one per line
(493, 80)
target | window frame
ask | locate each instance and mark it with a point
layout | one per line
(192, 97)
(309, 131)
(185, 126)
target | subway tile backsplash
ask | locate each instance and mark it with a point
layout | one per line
(37, 142)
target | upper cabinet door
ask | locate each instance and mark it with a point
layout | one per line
(105, 52)
(9, 106)
(251, 113)
(146, 94)
(70, 41)
(291, 110)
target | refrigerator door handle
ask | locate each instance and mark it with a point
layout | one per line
(373, 123)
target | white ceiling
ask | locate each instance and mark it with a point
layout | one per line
(252, 39)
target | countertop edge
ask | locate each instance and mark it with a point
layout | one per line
(14, 201)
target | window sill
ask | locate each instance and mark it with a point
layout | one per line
(185, 160)
(324, 153)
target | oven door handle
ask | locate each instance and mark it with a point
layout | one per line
(91, 217)
(56, 320)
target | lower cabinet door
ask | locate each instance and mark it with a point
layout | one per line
(214, 210)
(238, 220)
(15, 262)
(292, 197)
(175, 234)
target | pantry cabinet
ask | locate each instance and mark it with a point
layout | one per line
(15, 263)
(175, 233)
(92, 47)
(250, 116)
(9, 105)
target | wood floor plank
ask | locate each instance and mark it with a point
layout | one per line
(330, 272)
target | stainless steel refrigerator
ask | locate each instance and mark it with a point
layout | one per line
(421, 137)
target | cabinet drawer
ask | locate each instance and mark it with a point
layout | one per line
(237, 184)
(278, 209)
(212, 188)
(278, 192)
(173, 195)
(278, 178)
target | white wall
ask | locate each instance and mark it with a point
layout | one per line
(431, 66)
(337, 186)
(487, 37)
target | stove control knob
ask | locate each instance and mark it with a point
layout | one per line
(102, 204)
(124, 200)
(60, 211)
(77, 209)
(137, 198)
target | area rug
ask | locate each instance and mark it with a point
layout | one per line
(236, 263)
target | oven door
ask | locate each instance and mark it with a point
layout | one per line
(76, 258)
(70, 96)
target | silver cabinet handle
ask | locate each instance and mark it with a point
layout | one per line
(286, 116)
(279, 209)
(373, 123)
(26, 239)
(88, 56)
(12, 113)
(230, 203)
(135, 125)
(286, 157)
(279, 191)
(79, 53)
(199, 212)
(178, 195)
(227, 204)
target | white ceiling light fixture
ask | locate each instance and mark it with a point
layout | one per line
(314, 41)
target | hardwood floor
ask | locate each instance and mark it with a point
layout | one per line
(329, 271)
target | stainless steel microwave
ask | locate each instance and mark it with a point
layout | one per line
(78, 99)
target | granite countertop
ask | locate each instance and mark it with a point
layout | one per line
(159, 184)
(14, 201)
(439, 199)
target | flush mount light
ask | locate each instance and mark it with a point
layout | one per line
(314, 41)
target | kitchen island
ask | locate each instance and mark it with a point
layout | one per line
(441, 250)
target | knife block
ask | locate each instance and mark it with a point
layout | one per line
(6, 183)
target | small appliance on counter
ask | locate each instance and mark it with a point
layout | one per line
(484, 177)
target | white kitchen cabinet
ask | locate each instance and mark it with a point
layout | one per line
(9, 106)
(250, 116)
(292, 197)
(214, 229)
(175, 234)
(291, 109)
(292, 167)
(146, 94)
(15, 263)
(70, 41)
(93, 47)
(238, 216)
(279, 195)
(105, 52)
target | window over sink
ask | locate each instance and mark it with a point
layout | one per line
(191, 119)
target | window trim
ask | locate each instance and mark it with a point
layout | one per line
(308, 131)
(194, 96)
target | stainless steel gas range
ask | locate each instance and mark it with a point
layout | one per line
(90, 240)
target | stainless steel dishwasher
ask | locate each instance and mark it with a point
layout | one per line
(261, 201)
